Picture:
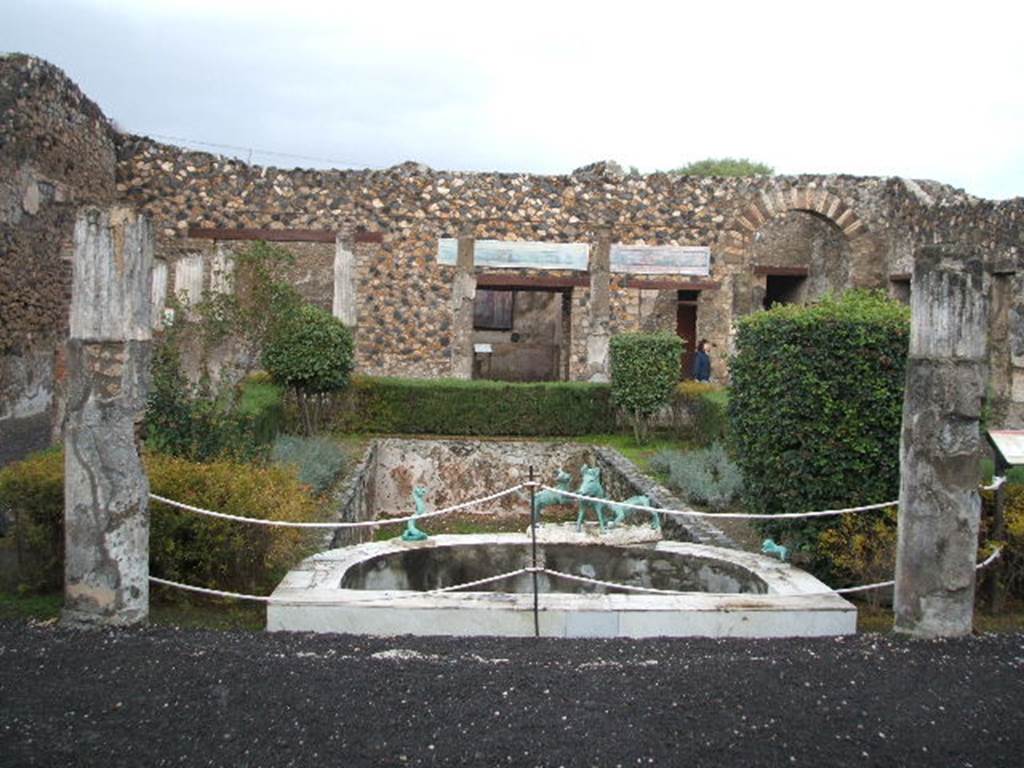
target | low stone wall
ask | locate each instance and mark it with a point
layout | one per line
(622, 480)
(455, 471)
(459, 470)
(355, 501)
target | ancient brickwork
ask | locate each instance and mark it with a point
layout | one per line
(862, 231)
(399, 283)
(56, 153)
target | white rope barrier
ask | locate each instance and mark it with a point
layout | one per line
(205, 591)
(720, 515)
(509, 574)
(615, 585)
(388, 595)
(359, 524)
(997, 483)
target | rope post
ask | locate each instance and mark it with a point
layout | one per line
(533, 541)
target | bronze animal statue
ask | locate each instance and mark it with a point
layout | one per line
(546, 498)
(591, 486)
(621, 513)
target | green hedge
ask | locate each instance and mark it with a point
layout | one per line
(700, 412)
(644, 371)
(262, 402)
(185, 547)
(815, 407)
(459, 407)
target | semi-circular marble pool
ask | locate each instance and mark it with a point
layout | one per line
(382, 588)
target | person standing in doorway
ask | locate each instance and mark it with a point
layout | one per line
(702, 361)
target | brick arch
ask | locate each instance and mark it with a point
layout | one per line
(764, 207)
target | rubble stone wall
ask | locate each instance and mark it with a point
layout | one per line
(59, 151)
(56, 153)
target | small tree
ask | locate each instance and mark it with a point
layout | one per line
(311, 354)
(725, 166)
(645, 369)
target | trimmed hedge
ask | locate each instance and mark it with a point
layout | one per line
(644, 372)
(701, 412)
(262, 402)
(815, 407)
(203, 551)
(460, 407)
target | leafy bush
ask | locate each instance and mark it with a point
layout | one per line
(707, 476)
(318, 460)
(311, 353)
(181, 420)
(701, 412)
(861, 549)
(1011, 562)
(815, 408)
(725, 166)
(262, 403)
(183, 546)
(259, 300)
(224, 554)
(644, 371)
(33, 489)
(460, 407)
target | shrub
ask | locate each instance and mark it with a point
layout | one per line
(33, 489)
(644, 371)
(224, 554)
(707, 476)
(183, 421)
(460, 407)
(262, 403)
(311, 353)
(701, 412)
(1011, 570)
(725, 166)
(861, 549)
(183, 546)
(318, 460)
(815, 408)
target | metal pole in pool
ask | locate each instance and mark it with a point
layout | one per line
(533, 537)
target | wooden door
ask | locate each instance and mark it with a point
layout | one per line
(686, 329)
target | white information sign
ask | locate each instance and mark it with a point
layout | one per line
(1010, 443)
(515, 254)
(483, 349)
(662, 259)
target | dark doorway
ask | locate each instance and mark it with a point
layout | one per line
(519, 334)
(686, 328)
(783, 289)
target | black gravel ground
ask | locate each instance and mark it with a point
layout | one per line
(173, 697)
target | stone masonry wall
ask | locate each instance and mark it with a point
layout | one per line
(57, 147)
(56, 153)
(854, 232)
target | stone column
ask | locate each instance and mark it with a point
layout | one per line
(344, 283)
(106, 510)
(599, 332)
(940, 446)
(463, 294)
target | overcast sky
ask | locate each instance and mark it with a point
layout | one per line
(928, 90)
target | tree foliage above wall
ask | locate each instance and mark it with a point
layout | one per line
(816, 406)
(725, 166)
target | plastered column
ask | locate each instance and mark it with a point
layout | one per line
(463, 294)
(940, 446)
(106, 512)
(599, 332)
(344, 283)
